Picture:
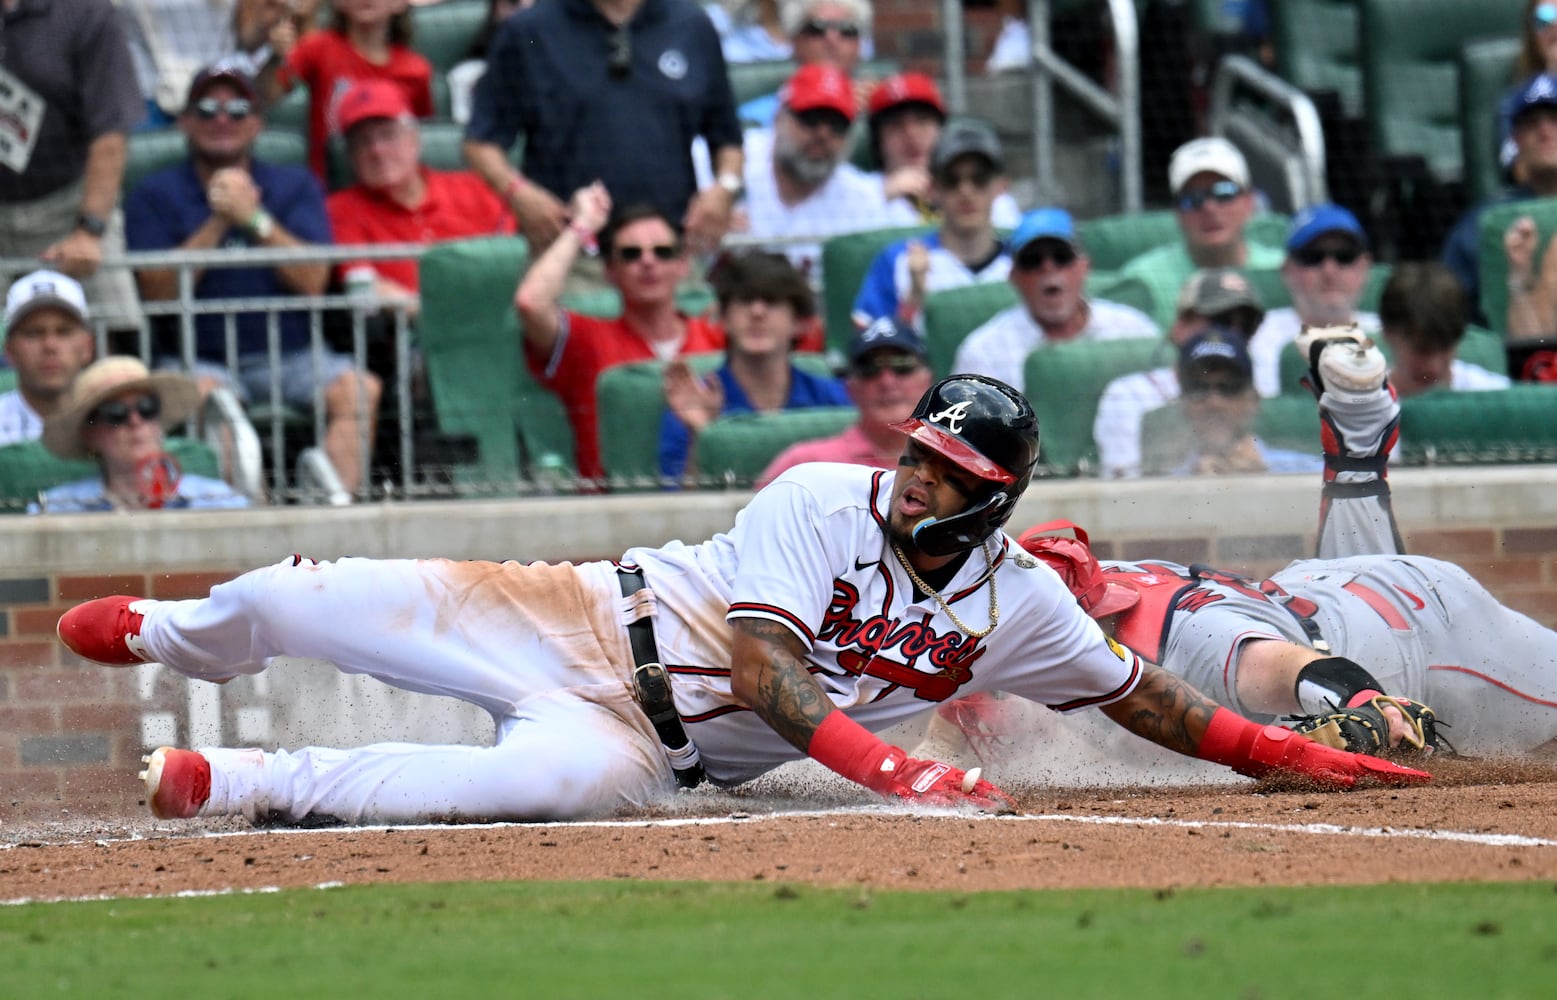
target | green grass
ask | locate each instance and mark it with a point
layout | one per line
(683, 941)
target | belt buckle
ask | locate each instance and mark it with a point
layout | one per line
(651, 686)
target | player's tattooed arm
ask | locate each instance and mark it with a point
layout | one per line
(768, 673)
(1165, 709)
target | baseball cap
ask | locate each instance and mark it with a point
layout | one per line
(965, 137)
(906, 88)
(1540, 92)
(888, 331)
(1210, 155)
(819, 86)
(1316, 220)
(1044, 224)
(1212, 291)
(1216, 346)
(371, 99)
(44, 288)
(227, 72)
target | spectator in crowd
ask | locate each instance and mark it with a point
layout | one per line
(462, 78)
(1217, 296)
(1220, 406)
(172, 40)
(1214, 202)
(221, 196)
(889, 370)
(70, 103)
(821, 33)
(969, 174)
(1326, 271)
(1422, 312)
(1049, 269)
(367, 40)
(802, 184)
(763, 304)
(750, 30)
(645, 259)
(115, 413)
(1535, 137)
(395, 198)
(608, 90)
(1537, 56)
(907, 114)
(46, 343)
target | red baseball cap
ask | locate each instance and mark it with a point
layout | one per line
(371, 99)
(906, 88)
(819, 86)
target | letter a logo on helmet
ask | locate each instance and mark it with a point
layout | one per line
(952, 416)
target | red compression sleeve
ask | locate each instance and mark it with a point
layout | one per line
(853, 751)
(1246, 747)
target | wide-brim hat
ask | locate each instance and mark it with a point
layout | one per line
(113, 376)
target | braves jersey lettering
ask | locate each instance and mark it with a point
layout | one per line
(951, 653)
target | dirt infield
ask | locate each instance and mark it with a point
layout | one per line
(1477, 822)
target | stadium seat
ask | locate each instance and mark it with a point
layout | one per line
(735, 449)
(1486, 71)
(479, 383)
(1064, 382)
(1517, 424)
(1111, 241)
(1316, 48)
(154, 149)
(291, 111)
(753, 79)
(845, 261)
(951, 315)
(1479, 347)
(1493, 263)
(27, 469)
(631, 402)
(444, 32)
(1290, 423)
(1126, 291)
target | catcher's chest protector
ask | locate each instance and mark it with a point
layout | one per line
(1144, 628)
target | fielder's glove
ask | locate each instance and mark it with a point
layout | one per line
(1364, 728)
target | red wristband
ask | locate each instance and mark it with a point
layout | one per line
(513, 187)
(847, 747)
(1230, 740)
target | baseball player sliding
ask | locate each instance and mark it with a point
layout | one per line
(844, 599)
(1323, 638)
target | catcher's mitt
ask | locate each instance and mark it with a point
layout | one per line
(1364, 728)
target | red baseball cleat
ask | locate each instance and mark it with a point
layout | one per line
(178, 782)
(107, 630)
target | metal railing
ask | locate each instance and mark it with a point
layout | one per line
(1293, 139)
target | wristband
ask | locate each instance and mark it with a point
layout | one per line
(843, 745)
(1230, 740)
(1521, 286)
(513, 187)
(261, 224)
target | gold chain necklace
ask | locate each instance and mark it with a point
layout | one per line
(989, 571)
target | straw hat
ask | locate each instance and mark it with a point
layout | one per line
(105, 379)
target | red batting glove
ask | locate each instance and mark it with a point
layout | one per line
(845, 746)
(1257, 751)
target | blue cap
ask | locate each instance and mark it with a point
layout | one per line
(1316, 220)
(888, 331)
(1216, 345)
(1540, 92)
(1044, 224)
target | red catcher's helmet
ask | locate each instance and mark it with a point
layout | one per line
(1073, 560)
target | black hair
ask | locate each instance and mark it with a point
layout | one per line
(1424, 304)
(760, 275)
(625, 216)
(399, 26)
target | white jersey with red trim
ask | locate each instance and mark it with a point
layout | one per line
(810, 552)
(1424, 628)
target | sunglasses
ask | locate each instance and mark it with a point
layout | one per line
(619, 60)
(1033, 257)
(832, 121)
(236, 108)
(116, 413)
(980, 178)
(898, 364)
(817, 27)
(1544, 15)
(1315, 256)
(661, 251)
(1205, 390)
(1221, 192)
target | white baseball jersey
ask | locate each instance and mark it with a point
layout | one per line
(1422, 627)
(18, 421)
(1120, 412)
(1000, 347)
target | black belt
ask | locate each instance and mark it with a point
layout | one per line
(651, 687)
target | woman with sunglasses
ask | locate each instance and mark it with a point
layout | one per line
(1537, 55)
(115, 413)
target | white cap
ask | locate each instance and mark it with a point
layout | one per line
(1212, 155)
(44, 288)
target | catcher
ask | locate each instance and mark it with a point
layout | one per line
(1351, 648)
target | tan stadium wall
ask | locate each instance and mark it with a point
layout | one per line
(71, 734)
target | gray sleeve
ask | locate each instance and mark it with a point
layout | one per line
(1203, 645)
(111, 98)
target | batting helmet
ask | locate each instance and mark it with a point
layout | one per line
(1073, 560)
(987, 429)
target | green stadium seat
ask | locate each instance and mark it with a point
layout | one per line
(1316, 48)
(845, 261)
(27, 469)
(1290, 423)
(1478, 347)
(1493, 264)
(291, 111)
(1064, 382)
(444, 32)
(1517, 424)
(1410, 53)
(754, 79)
(1486, 71)
(479, 383)
(735, 449)
(1112, 241)
(951, 315)
(631, 404)
(157, 148)
(1126, 291)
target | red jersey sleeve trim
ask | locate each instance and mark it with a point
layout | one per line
(1112, 696)
(748, 609)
